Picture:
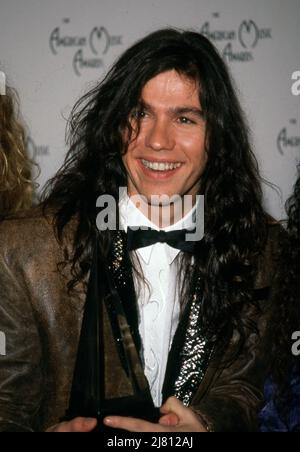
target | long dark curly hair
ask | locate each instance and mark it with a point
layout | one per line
(286, 318)
(235, 222)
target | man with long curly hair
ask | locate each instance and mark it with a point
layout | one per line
(16, 186)
(184, 322)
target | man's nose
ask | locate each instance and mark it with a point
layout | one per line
(160, 136)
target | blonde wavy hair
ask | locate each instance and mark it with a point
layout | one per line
(16, 186)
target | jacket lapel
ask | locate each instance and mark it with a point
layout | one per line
(190, 353)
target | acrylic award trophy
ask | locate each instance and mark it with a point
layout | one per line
(88, 394)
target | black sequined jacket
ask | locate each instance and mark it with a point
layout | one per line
(40, 326)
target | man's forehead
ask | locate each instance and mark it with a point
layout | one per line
(171, 79)
(172, 88)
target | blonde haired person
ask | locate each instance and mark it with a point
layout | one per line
(16, 186)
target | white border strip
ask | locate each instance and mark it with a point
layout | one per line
(2, 84)
(2, 344)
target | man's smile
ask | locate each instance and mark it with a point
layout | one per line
(161, 166)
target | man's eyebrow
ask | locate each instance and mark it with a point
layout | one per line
(186, 110)
(180, 110)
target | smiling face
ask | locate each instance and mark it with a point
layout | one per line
(168, 155)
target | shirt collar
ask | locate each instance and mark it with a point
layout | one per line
(131, 216)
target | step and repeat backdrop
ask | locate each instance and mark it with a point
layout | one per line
(52, 52)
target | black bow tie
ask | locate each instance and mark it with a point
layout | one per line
(176, 239)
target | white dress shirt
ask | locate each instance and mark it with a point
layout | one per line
(158, 301)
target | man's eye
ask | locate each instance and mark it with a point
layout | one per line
(185, 120)
(139, 114)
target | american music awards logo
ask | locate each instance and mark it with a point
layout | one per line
(288, 139)
(89, 49)
(241, 42)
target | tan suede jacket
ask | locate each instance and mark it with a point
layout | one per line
(39, 332)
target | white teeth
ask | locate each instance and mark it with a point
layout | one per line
(156, 166)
